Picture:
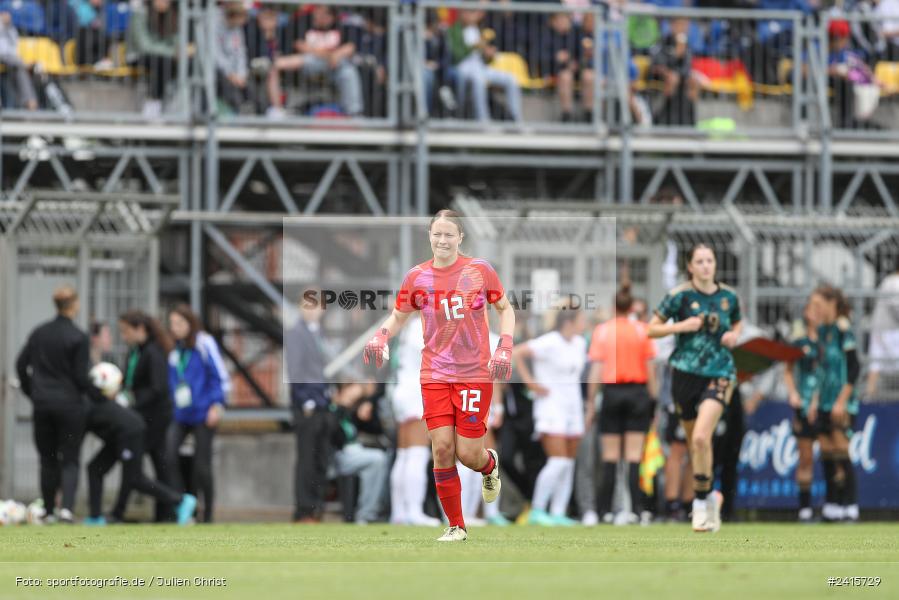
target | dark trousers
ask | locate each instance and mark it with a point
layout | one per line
(726, 452)
(229, 93)
(515, 437)
(156, 449)
(131, 454)
(161, 71)
(91, 46)
(313, 454)
(58, 431)
(202, 463)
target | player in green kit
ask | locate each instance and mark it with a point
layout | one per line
(706, 320)
(801, 378)
(838, 369)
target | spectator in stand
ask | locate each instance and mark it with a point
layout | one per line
(231, 57)
(26, 96)
(846, 69)
(199, 384)
(884, 348)
(671, 63)
(91, 44)
(266, 41)
(471, 49)
(322, 49)
(153, 41)
(559, 60)
(887, 14)
(352, 401)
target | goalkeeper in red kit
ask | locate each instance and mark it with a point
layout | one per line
(451, 292)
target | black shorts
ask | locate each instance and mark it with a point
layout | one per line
(826, 425)
(802, 429)
(625, 407)
(689, 391)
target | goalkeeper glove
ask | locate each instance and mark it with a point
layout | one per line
(377, 349)
(500, 366)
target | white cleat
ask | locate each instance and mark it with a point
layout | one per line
(715, 500)
(453, 534)
(491, 484)
(700, 516)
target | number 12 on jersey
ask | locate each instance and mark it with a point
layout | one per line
(456, 307)
(470, 400)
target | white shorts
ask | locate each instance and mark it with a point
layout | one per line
(555, 418)
(407, 403)
(884, 351)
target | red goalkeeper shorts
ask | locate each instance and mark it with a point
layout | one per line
(460, 405)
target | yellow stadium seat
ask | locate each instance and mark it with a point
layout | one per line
(45, 51)
(515, 65)
(887, 74)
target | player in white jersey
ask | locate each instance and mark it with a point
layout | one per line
(558, 358)
(409, 475)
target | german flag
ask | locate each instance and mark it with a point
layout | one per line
(725, 77)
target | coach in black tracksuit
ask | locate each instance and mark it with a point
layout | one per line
(146, 385)
(53, 371)
(123, 431)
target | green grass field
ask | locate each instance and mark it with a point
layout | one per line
(265, 562)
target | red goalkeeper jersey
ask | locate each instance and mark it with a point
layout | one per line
(453, 303)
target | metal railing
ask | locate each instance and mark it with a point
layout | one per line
(550, 67)
(116, 62)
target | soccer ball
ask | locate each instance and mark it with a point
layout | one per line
(107, 378)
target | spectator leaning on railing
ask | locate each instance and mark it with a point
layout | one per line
(671, 63)
(322, 49)
(9, 58)
(231, 56)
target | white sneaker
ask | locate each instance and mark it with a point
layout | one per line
(715, 500)
(700, 516)
(832, 512)
(850, 512)
(806, 515)
(66, 516)
(590, 519)
(453, 534)
(491, 484)
(608, 518)
(645, 518)
(276, 113)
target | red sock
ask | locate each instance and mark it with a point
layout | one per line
(491, 464)
(449, 490)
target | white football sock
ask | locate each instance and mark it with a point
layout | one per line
(547, 480)
(564, 486)
(416, 480)
(398, 498)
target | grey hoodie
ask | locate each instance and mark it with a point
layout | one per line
(230, 48)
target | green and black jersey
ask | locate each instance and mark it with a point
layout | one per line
(834, 341)
(700, 352)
